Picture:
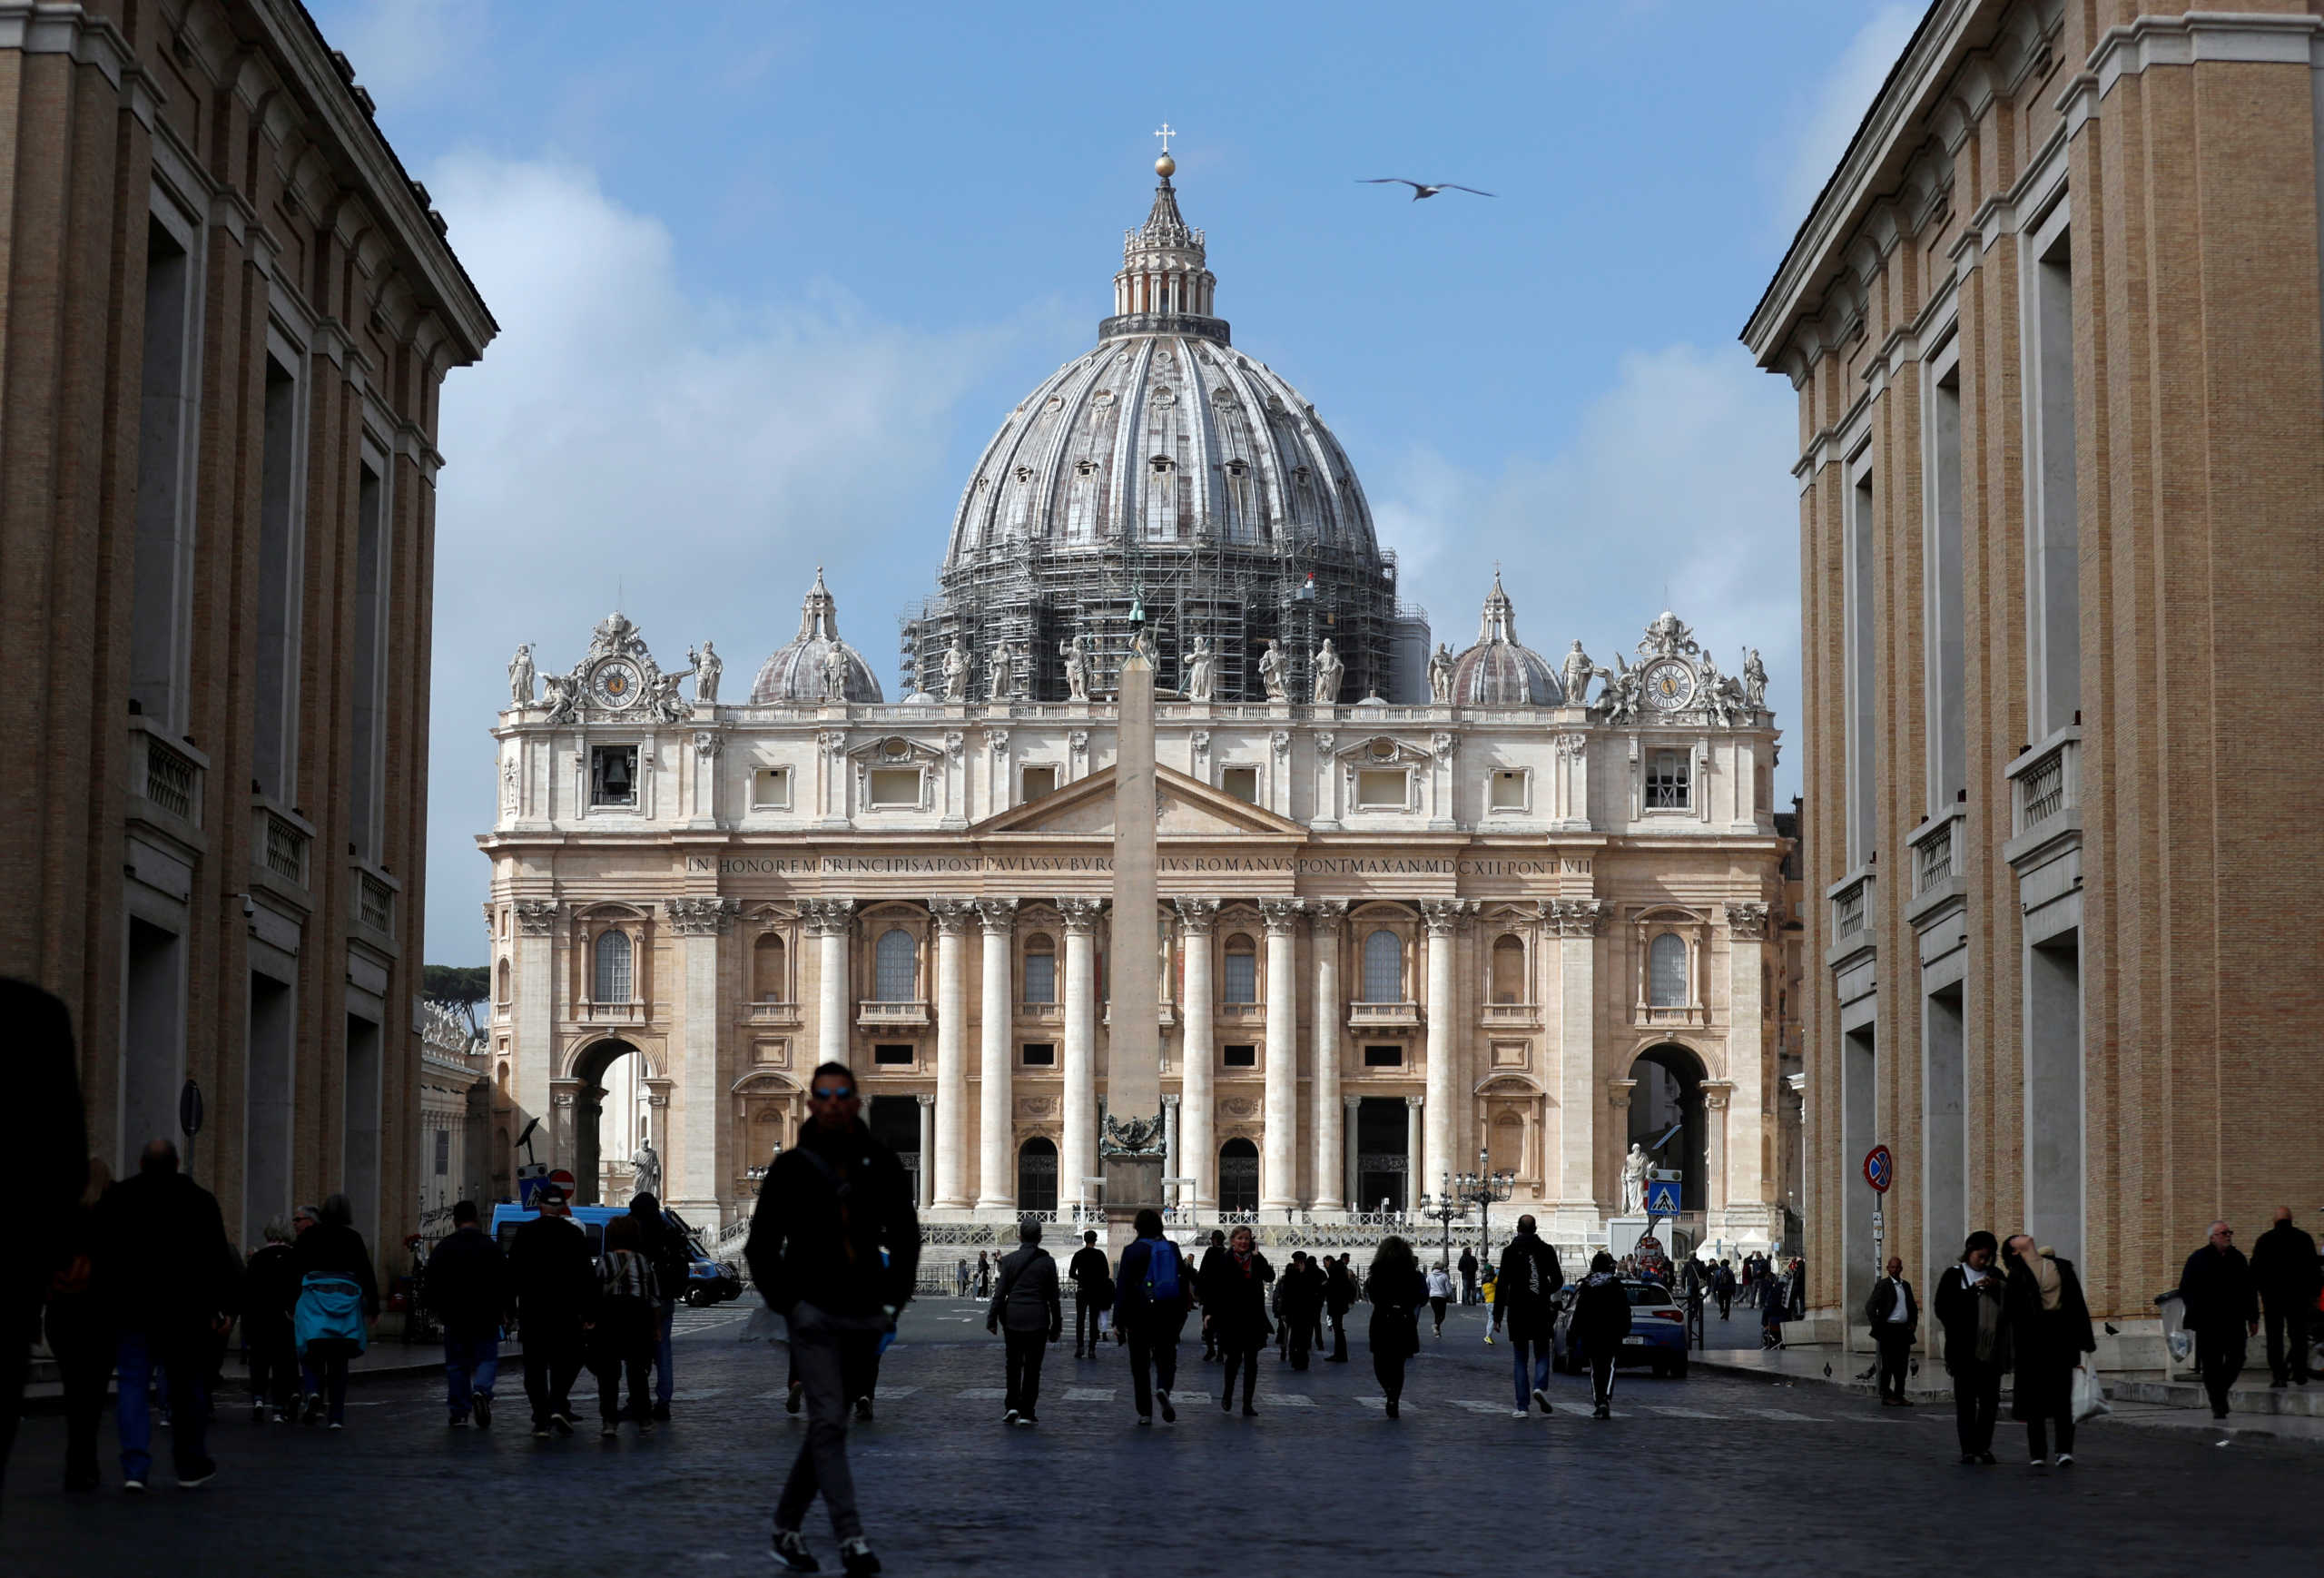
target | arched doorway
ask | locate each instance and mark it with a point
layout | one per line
(1037, 1175)
(609, 1118)
(1238, 1176)
(1669, 1095)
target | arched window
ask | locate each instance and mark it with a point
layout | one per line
(1037, 1175)
(1384, 967)
(1040, 969)
(1240, 978)
(1666, 969)
(504, 982)
(894, 964)
(766, 968)
(1508, 969)
(1238, 1176)
(612, 983)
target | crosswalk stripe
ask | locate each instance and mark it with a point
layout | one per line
(1374, 1403)
(1474, 1406)
(981, 1394)
(1091, 1395)
(1787, 1416)
(1684, 1413)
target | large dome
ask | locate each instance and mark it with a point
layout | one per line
(801, 669)
(1501, 670)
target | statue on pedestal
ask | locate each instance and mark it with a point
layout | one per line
(520, 676)
(835, 672)
(1202, 671)
(707, 666)
(1440, 675)
(956, 671)
(1755, 680)
(998, 681)
(1635, 1167)
(645, 1171)
(1077, 668)
(1271, 672)
(1578, 672)
(1328, 670)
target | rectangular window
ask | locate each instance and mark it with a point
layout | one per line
(612, 774)
(1243, 782)
(273, 761)
(1038, 782)
(369, 640)
(161, 567)
(1241, 977)
(1384, 1057)
(1507, 790)
(1382, 788)
(443, 1153)
(894, 788)
(1239, 1057)
(1040, 977)
(1665, 781)
(1041, 1054)
(893, 1055)
(771, 789)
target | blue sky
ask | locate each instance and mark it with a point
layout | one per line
(768, 276)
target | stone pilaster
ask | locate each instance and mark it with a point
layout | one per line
(1279, 1155)
(1330, 1135)
(950, 1187)
(1078, 1155)
(1197, 921)
(995, 1112)
(1441, 916)
(692, 1158)
(830, 920)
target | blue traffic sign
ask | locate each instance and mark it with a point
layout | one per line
(1662, 1198)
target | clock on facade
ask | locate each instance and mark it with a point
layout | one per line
(1669, 686)
(616, 683)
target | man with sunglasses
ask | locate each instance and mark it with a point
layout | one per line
(835, 1247)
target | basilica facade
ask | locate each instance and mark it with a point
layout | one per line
(1423, 914)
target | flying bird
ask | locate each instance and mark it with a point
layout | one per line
(1419, 188)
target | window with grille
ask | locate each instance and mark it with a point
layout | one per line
(1666, 782)
(613, 971)
(1041, 970)
(1666, 968)
(1241, 975)
(443, 1153)
(894, 963)
(1384, 967)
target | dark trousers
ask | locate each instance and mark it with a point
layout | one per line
(137, 1356)
(1153, 1356)
(324, 1371)
(1601, 1380)
(1087, 1328)
(552, 1358)
(1976, 1404)
(1302, 1328)
(2045, 1398)
(2288, 1322)
(1248, 1359)
(274, 1363)
(1436, 1308)
(1388, 1369)
(1339, 1337)
(84, 1356)
(17, 1324)
(2222, 1360)
(621, 1347)
(1025, 1352)
(830, 1352)
(1895, 1359)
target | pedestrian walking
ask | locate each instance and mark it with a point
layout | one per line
(834, 1250)
(1214, 1252)
(468, 1287)
(1722, 1288)
(1300, 1298)
(1093, 1291)
(1396, 1289)
(960, 1278)
(984, 1275)
(1775, 1301)
(338, 1301)
(49, 1145)
(1467, 1265)
(2285, 1270)
(1601, 1319)
(1339, 1298)
(270, 1293)
(1153, 1291)
(80, 1332)
(1895, 1317)
(1030, 1315)
(553, 1278)
(1976, 1344)
(1524, 1300)
(619, 1331)
(666, 1249)
(2048, 1332)
(1235, 1293)
(1439, 1294)
(2222, 1309)
(169, 1280)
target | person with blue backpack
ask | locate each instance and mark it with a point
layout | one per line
(1152, 1293)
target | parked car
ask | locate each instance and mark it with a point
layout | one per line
(1658, 1332)
(708, 1279)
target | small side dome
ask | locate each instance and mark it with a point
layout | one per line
(1499, 670)
(802, 670)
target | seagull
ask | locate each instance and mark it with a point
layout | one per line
(1827, 1371)
(1420, 189)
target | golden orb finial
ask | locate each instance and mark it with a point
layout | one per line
(1166, 167)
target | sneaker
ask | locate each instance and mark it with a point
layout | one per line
(258, 1413)
(855, 1557)
(608, 1430)
(2037, 1463)
(1010, 1417)
(1145, 1418)
(1169, 1415)
(790, 1402)
(791, 1551)
(864, 1410)
(1028, 1419)
(1968, 1459)
(1521, 1413)
(282, 1416)
(201, 1477)
(313, 1413)
(2065, 1460)
(646, 1426)
(134, 1486)
(561, 1423)
(458, 1422)
(1541, 1396)
(339, 1424)
(540, 1430)
(1604, 1411)
(484, 1410)
(1226, 1402)
(1987, 1459)
(1249, 1411)
(1392, 1408)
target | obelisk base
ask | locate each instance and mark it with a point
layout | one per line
(1133, 1184)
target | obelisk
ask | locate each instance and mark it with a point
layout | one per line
(1131, 1148)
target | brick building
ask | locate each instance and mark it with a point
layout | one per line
(228, 313)
(2055, 324)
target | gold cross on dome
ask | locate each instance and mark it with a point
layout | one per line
(1166, 134)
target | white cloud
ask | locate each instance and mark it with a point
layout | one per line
(405, 51)
(1672, 492)
(1819, 132)
(622, 437)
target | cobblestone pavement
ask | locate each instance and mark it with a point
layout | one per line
(1749, 1476)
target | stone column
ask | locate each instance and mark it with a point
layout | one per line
(1077, 1156)
(1279, 1159)
(1440, 915)
(995, 1112)
(831, 921)
(1198, 1051)
(1170, 1101)
(534, 1018)
(1331, 1136)
(1575, 1188)
(1349, 1106)
(1744, 1181)
(926, 1193)
(691, 1162)
(950, 1187)
(1414, 1158)
(1718, 1160)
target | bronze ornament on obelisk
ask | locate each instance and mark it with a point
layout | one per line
(1130, 1145)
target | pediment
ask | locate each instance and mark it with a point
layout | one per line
(1185, 807)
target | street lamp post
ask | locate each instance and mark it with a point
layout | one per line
(1447, 1209)
(1484, 1188)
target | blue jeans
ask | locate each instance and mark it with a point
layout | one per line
(665, 1378)
(1530, 1378)
(137, 1358)
(469, 1369)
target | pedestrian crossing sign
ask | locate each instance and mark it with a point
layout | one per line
(1662, 1198)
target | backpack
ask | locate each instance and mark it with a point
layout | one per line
(1162, 1272)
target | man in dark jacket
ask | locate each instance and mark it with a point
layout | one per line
(665, 1248)
(171, 1281)
(1339, 1298)
(1467, 1266)
(2284, 1265)
(1093, 1276)
(1524, 1300)
(1300, 1298)
(1976, 1344)
(1895, 1317)
(1152, 1293)
(834, 1249)
(2222, 1309)
(553, 1278)
(53, 1153)
(1030, 1315)
(1601, 1319)
(468, 1287)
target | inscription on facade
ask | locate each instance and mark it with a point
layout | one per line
(1021, 864)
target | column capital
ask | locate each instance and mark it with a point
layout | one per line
(1351, 1102)
(827, 917)
(1080, 915)
(1440, 915)
(1415, 1103)
(1618, 1092)
(998, 916)
(1199, 917)
(1748, 922)
(1578, 917)
(1717, 1093)
(1170, 1100)
(1327, 915)
(703, 915)
(925, 1098)
(953, 916)
(1279, 916)
(536, 917)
